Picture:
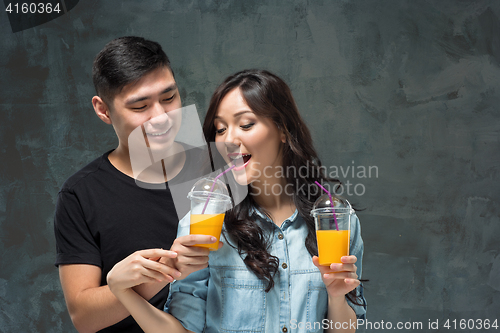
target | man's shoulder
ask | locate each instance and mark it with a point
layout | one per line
(193, 149)
(196, 156)
(197, 163)
(85, 173)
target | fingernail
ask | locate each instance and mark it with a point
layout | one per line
(178, 274)
(214, 239)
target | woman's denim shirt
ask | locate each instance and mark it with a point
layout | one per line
(227, 297)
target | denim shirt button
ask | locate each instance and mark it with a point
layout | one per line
(284, 265)
(285, 329)
(280, 236)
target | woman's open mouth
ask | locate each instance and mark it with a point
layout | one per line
(239, 160)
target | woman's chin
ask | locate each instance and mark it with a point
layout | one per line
(241, 177)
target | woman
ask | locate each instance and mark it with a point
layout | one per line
(267, 276)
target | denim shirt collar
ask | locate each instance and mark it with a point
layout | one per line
(264, 217)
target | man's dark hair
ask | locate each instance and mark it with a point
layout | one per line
(125, 60)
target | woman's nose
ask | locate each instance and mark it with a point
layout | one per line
(232, 140)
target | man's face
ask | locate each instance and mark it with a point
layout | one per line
(152, 102)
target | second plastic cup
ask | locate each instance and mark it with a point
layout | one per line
(208, 210)
(333, 243)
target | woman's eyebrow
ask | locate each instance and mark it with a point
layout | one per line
(237, 114)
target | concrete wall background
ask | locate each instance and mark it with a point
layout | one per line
(411, 87)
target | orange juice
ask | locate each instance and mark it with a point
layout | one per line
(207, 224)
(332, 245)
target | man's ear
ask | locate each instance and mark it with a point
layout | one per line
(101, 109)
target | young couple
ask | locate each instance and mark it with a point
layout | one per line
(112, 235)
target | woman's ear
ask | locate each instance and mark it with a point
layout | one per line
(101, 109)
(282, 133)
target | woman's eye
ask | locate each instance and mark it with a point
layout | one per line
(247, 126)
(220, 131)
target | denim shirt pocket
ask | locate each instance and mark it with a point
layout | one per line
(243, 305)
(317, 297)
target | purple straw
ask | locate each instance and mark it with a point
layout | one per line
(331, 203)
(213, 185)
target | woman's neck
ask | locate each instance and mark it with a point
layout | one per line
(273, 198)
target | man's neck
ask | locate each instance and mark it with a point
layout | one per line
(120, 159)
(161, 171)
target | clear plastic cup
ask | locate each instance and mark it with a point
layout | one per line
(208, 209)
(333, 228)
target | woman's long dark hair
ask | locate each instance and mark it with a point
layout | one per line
(270, 97)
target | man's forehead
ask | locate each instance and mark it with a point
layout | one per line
(155, 82)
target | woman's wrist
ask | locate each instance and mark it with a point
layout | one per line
(336, 301)
(120, 292)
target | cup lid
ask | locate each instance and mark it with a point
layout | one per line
(324, 205)
(202, 188)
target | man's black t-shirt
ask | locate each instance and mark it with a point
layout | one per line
(103, 215)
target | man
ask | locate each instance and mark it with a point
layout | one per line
(103, 217)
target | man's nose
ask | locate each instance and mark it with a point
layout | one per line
(157, 109)
(158, 114)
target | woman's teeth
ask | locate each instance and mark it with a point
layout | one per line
(239, 160)
(246, 157)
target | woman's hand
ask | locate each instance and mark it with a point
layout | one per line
(142, 267)
(339, 279)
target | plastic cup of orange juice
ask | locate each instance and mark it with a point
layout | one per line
(208, 209)
(333, 228)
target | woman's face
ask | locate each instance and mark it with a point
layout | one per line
(246, 140)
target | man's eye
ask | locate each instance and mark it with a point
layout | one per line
(247, 126)
(139, 108)
(169, 99)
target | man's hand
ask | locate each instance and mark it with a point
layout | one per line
(138, 268)
(189, 258)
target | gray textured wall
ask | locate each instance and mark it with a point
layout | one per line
(411, 87)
